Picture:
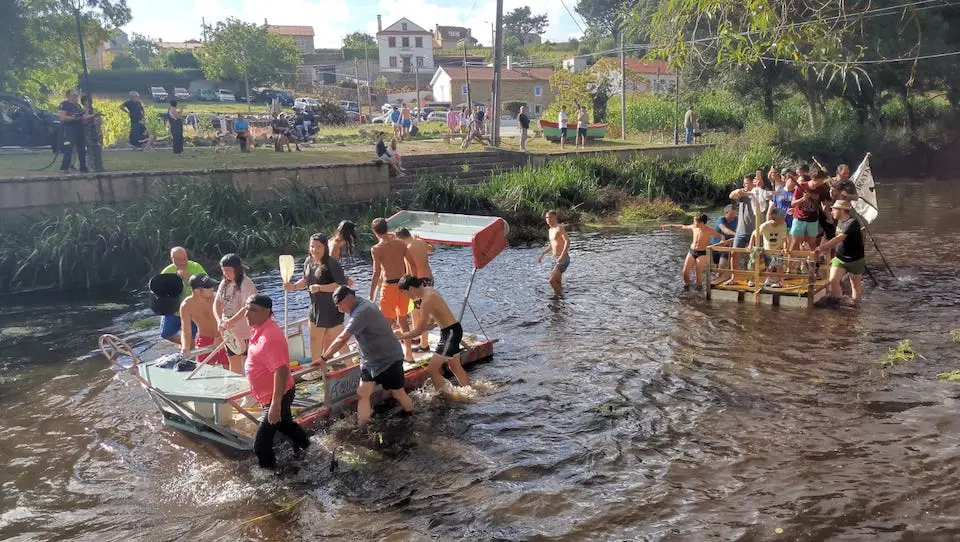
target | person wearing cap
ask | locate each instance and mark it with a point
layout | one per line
(184, 267)
(773, 233)
(268, 372)
(381, 357)
(197, 309)
(432, 306)
(850, 255)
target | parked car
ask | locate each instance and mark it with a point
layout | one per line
(354, 117)
(224, 95)
(159, 94)
(207, 95)
(302, 103)
(267, 96)
(181, 94)
(27, 126)
(382, 119)
(437, 115)
(386, 108)
(347, 105)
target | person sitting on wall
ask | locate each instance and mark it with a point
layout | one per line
(384, 154)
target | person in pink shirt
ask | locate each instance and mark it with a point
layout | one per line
(268, 371)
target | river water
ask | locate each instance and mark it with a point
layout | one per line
(630, 410)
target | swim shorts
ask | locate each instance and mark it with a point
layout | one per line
(170, 325)
(450, 338)
(582, 132)
(802, 228)
(563, 264)
(856, 267)
(219, 358)
(426, 282)
(393, 304)
(390, 379)
(696, 253)
(406, 123)
(563, 132)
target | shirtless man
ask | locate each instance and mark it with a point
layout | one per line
(433, 306)
(697, 254)
(560, 247)
(389, 264)
(197, 309)
(418, 265)
(184, 267)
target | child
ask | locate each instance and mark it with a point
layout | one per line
(697, 255)
(774, 235)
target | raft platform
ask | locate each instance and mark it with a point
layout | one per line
(797, 290)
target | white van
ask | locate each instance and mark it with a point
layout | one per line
(224, 95)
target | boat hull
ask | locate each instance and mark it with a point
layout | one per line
(551, 131)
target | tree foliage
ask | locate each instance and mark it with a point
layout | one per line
(358, 40)
(125, 62)
(521, 21)
(236, 48)
(606, 18)
(177, 59)
(144, 48)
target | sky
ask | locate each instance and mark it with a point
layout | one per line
(180, 20)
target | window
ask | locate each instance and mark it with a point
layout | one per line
(405, 42)
(404, 26)
(454, 33)
(536, 109)
(393, 62)
(391, 42)
(418, 42)
(463, 89)
(538, 91)
(419, 61)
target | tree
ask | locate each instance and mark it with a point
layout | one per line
(358, 40)
(521, 22)
(177, 59)
(606, 18)
(380, 84)
(236, 48)
(144, 48)
(125, 62)
(513, 48)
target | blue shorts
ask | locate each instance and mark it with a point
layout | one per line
(406, 123)
(741, 240)
(171, 325)
(801, 228)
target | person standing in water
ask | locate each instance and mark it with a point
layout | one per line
(342, 239)
(321, 276)
(389, 264)
(381, 358)
(418, 265)
(696, 259)
(432, 306)
(559, 245)
(197, 310)
(184, 267)
(228, 307)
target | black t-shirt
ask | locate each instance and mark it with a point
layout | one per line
(524, 121)
(381, 148)
(480, 116)
(135, 109)
(851, 248)
(72, 109)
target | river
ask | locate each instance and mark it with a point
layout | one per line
(629, 410)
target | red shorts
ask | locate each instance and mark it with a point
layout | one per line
(219, 357)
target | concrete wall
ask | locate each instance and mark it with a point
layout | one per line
(353, 183)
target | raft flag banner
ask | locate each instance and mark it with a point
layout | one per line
(866, 205)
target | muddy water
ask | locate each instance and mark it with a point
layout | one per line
(629, 410)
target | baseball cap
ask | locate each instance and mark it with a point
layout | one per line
(340, 293)
(842, 204)
(202, 281)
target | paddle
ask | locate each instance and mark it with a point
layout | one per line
(286, 273)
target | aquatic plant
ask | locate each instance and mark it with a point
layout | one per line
(951, 376)
(955, 335)
(902, 353)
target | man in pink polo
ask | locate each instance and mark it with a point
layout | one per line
(268, 372)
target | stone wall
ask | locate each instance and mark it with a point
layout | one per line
(352, 183)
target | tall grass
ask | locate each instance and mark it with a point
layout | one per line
(84, 248)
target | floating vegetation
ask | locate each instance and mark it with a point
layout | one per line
(903, 353)
(955, 335)
(952, 376)
(145, 323)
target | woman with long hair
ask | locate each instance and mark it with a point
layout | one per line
(343, 238)
(322, 275)
(229, 307)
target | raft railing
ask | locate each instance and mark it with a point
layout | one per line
(758, 274)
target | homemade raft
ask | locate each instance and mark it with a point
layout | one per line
(207, 401)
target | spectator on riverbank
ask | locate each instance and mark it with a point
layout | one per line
(384, 154)
(562, 125)
(524, 122)
(71, 119)
(583, 120)
(689, 125)
(176, 127)
(242, 128)
(453, 122)
(138, 127)
(93, 132)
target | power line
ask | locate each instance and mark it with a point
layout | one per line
(877, 61)
(572, 17)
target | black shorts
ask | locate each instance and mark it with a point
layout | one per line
(582, 132)
(390, 379)
(425, 282)
(450, 338)
(230, 352)
(563, 132)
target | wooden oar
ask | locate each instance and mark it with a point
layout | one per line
(286, 273)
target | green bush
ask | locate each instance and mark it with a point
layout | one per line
(141, 80)
(720, 111)
(116, 123)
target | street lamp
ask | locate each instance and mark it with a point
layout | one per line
(75, 5)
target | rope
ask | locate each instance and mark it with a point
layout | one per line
(469, 306)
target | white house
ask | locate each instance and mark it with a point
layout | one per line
(404, 46)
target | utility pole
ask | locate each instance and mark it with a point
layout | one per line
(623, 90)
(417, 79)
(356, 77)
(497, 61)
(246, 79)
(676, 114)
(366, 61)
(467, 72)
(83, 51)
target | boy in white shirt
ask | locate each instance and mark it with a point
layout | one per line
(562, 124)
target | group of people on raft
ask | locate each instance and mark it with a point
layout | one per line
(232, 311)
(802, 210)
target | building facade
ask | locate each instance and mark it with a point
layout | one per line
(447, 37)
(404, 47)
(302, 36)
(528, 85)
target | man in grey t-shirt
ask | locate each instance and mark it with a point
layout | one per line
(381, 356)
